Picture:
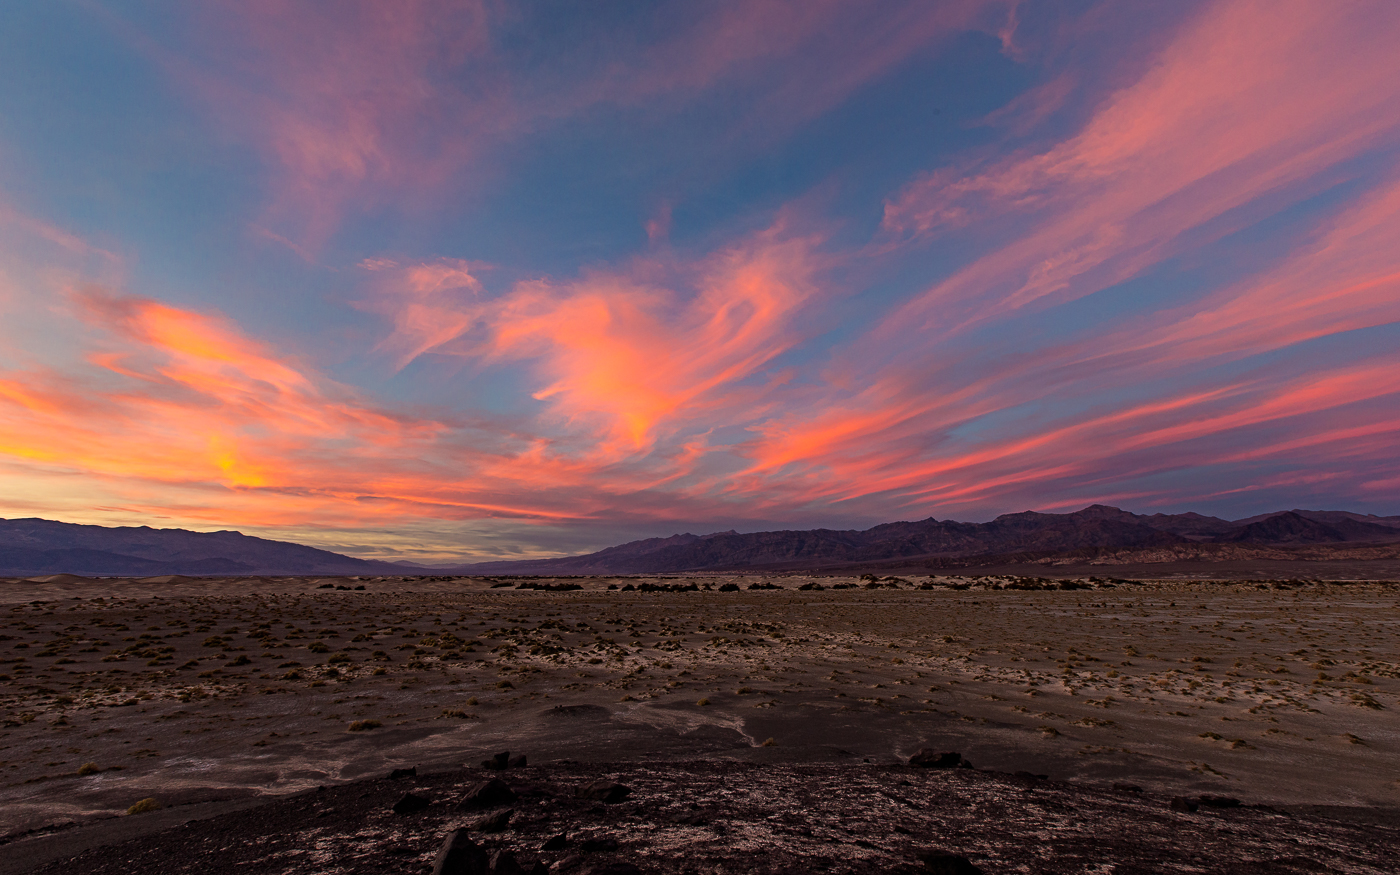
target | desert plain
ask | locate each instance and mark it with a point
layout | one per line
(763, 722)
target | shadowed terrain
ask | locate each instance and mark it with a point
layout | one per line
(211, 695)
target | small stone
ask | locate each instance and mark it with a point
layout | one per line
(410, 803)
(459, 855)
(928, 758)
(944, 863)
(487, 794)
(410, 772)
(498, 822)
(1127, 788)
(1181, 803)
(556, 843)
(606, 792)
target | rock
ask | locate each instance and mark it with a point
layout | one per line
(459, 855)
(944, 863)
(498, 822)
(928, 758)
(499, 762)
(1219, 801)
(487, 794)
(539, 868)
(567, 864)
(1127, 788)
(606, 792)
(504, 863)
(1181, 803)
(613, 868)
(593, 846)
(410, 803)
(516, 762)
(556, 843)
(410, 772)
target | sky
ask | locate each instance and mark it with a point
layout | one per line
(459, 280)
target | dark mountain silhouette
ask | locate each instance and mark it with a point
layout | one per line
(30, 547)
(1095, 527)
(1291, 527)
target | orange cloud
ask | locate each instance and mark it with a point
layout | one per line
(619, 353)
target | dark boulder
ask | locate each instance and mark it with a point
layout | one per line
(459, 855)
(410, 803)
(1181, 803)
(499, 762)
(487, 794)
(556, 843)
(1219, 801)
(498, 822)
(504, 863)
(609, 868)
(944, 863)
(410, 772)
(928, 758)
(596, 845)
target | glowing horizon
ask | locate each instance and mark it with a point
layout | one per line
(454, 281)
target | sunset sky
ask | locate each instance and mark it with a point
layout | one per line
(473, 280)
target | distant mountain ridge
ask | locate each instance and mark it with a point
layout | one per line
(30, 547)
(1096, 526)
(33, 547)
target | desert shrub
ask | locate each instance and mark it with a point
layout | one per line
(147, 804)
(364, 725)
(88, 769)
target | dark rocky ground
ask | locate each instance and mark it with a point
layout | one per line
(759, 722)
(730, 817)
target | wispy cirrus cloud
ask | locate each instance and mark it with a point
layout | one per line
(365, 104)
(1247, 100)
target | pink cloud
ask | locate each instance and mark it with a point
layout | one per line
(365, 104)
(1247, 100)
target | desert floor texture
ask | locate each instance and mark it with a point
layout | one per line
(215, 696)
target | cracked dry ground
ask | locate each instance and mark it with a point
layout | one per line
(217, 695)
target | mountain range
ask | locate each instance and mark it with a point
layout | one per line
(1097, 526)
(30, 547)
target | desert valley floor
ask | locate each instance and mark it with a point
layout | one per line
(759, 729)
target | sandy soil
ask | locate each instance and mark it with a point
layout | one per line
(208, 694)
